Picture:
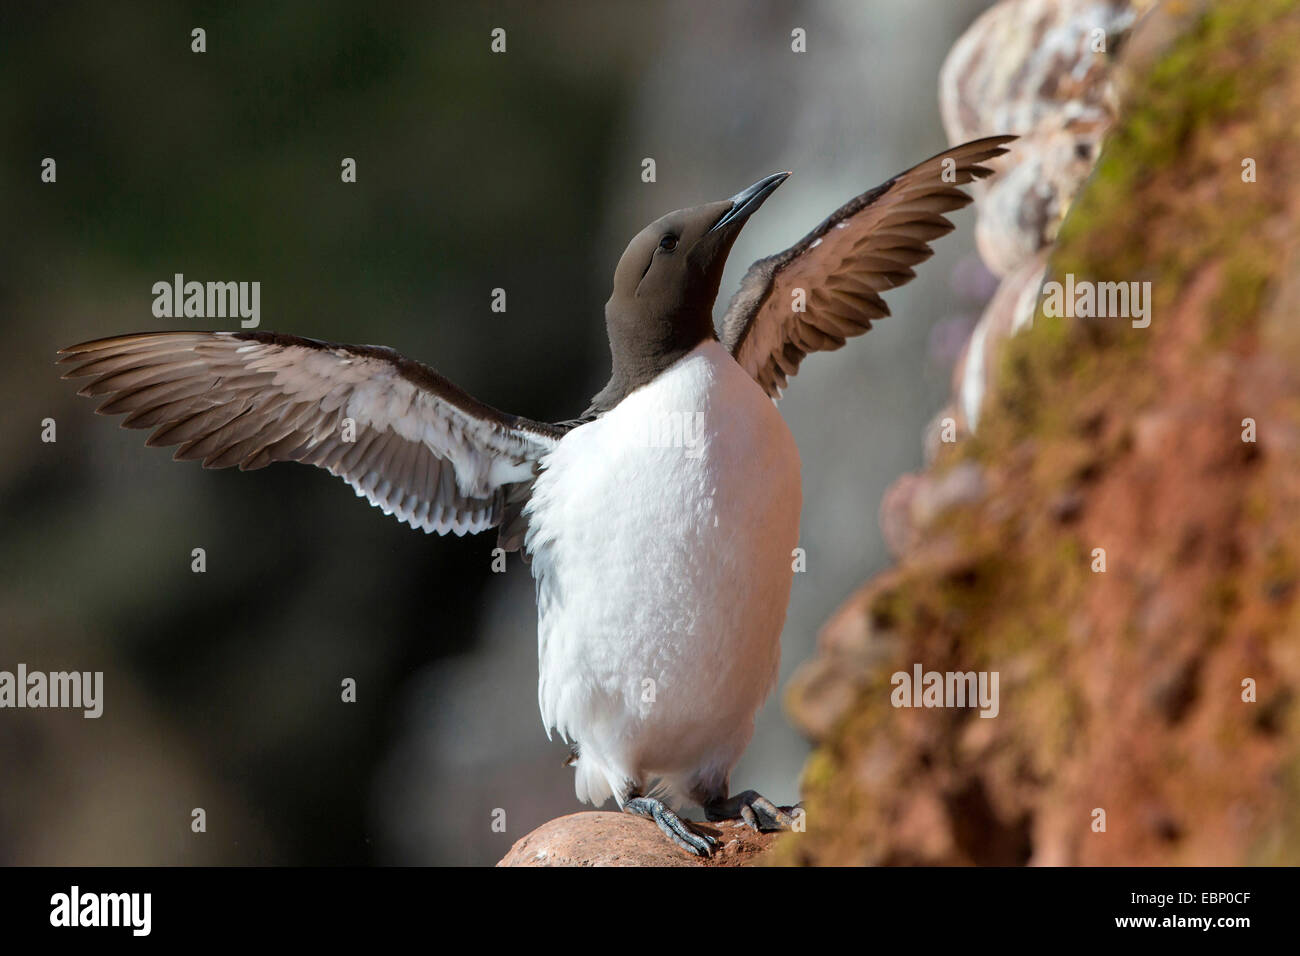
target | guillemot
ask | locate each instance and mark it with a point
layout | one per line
(662, 564)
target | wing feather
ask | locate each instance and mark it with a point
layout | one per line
(424, 450)
(864, 248)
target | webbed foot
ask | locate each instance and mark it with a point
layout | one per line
(673, 826)
(754, 809)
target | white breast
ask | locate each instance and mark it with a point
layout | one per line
(661, 538)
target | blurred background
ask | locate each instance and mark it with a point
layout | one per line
(475, 171)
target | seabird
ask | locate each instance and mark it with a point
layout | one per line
(659, 525)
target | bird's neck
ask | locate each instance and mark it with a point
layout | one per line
(642, 347)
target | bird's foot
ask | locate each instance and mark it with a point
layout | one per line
(754, 810)
(673, 826)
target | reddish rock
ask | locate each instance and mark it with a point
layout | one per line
(602, 838)
(1147, 711)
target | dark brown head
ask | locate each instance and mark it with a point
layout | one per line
(665, 286)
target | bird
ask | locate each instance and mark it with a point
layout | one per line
(659, 526)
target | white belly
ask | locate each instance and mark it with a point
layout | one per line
(661, 538)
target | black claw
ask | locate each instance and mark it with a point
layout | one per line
(777, 815)
(754, 809)
(673, 826)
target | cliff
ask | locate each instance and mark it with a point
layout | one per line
(1119, 539)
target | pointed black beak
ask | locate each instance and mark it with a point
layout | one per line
(747, 200)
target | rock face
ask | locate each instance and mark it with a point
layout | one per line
(1041, 69)
(1120, 539)
(1044, 70)
(597, 838)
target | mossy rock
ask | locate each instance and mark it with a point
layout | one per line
(1121, 690)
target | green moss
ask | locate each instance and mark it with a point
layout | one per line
(1216, 74)
(1009, 585)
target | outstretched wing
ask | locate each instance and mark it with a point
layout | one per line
(399, 433)
(866, 246)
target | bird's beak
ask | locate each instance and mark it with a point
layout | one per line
(747, 200)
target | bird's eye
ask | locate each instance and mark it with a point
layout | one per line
(668, 243)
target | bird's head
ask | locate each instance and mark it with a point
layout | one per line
(668, 278)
